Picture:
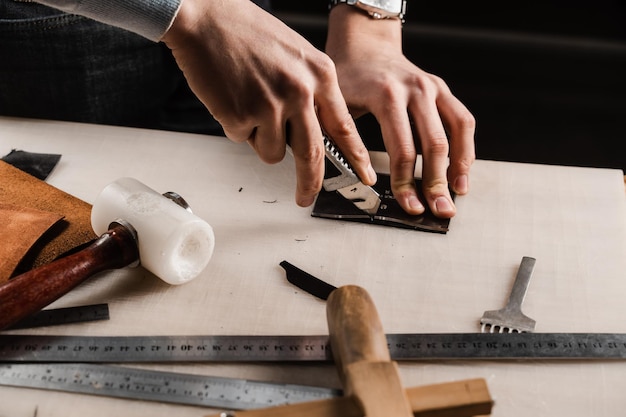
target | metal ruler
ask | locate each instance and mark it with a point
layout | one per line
(67, 315)
(402, 347)
(167, 387)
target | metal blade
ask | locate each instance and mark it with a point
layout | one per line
(362, 196)
(348, 184)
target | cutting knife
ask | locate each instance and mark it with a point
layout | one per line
(347, 183)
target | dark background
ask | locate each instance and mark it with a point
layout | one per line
(544, 79)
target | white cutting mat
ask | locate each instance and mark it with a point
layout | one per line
(572, 220)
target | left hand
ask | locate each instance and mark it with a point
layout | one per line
(376, 77)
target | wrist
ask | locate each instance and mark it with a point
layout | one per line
(183, 21)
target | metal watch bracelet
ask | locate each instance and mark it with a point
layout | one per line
(372, 10)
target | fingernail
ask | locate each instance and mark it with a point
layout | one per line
(443, 205)
(371, 174)
(414, 203)
(306, 201)
(461, 184)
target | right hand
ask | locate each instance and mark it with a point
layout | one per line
(257, 76)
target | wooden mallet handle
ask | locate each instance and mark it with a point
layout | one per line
(356, 333)
(33, 290)
(359, 347)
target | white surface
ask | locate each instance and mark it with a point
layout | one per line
(572, 220)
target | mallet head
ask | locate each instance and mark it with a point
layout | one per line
(174, 244)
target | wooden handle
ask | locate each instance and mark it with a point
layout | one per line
(30, 292)
(356, 333)
(359, 347)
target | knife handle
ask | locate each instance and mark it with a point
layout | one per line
(31, 291)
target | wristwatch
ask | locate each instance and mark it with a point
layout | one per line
(377, 9)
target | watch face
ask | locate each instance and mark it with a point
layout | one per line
(392, 7)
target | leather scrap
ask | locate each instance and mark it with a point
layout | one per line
(39, 165)
(21, 228)
(307, 282)
(18, 188)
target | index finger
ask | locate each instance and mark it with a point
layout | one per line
(339, 125)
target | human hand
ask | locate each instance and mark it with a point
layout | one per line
(266, 85)
(376, 77)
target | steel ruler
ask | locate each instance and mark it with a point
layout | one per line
(166, 387)
(67, 315)
(402, 347)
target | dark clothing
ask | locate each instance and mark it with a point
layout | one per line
(59, 66)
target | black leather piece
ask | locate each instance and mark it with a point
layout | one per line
(39, 165)
(332, 205)
(307, 282)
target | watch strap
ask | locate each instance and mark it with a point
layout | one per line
(375, 14)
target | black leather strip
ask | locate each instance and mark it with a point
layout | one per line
(307, 282)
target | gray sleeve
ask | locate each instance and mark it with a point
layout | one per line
(148, 18)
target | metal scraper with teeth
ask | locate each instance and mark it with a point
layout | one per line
(510, 319)
(348, 184)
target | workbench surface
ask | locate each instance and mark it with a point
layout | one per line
(572, 220)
